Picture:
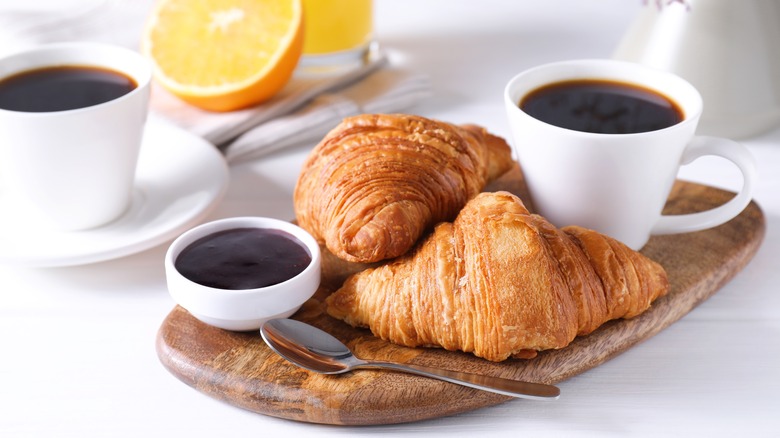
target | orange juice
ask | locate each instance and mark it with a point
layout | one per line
(332, 26)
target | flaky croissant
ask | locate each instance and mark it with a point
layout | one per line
(500, 282)
(376, 183)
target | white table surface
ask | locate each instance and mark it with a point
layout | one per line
(77, 353)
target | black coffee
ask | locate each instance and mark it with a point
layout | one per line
(62, 88)
(600, 106)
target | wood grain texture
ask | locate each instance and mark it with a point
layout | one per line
(240, 369)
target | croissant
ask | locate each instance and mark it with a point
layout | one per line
(376, 183)
(500, 282)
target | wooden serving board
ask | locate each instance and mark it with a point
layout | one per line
(240, 369)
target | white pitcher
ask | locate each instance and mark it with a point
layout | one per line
(728, 49)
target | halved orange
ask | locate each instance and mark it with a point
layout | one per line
(223, 55)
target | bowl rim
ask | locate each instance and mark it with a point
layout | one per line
(182, 241)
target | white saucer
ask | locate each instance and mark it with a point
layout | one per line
(180, 178)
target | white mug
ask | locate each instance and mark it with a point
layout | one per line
(617, 184)
(75, 169)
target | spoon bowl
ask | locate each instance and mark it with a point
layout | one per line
(315, 350)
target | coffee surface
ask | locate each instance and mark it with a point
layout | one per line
(62, 88)
(599, 106)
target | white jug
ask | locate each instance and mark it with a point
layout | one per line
(728, 49)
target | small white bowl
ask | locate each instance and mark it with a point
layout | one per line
(242, 309)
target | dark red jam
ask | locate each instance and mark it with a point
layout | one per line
(243, 258)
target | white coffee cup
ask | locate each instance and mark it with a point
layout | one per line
(617, 184)
(75, 169)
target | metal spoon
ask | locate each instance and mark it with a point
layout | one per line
(315, 350)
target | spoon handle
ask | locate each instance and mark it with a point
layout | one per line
(499, 385)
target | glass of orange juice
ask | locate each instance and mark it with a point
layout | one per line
(338, 34)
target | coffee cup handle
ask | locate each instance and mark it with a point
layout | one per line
(730, 150)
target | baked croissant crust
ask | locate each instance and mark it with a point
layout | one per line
(500, 282)
(376, 183)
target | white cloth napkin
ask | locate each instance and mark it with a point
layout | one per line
(386, 90)
(301, 113)
(305, 110)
